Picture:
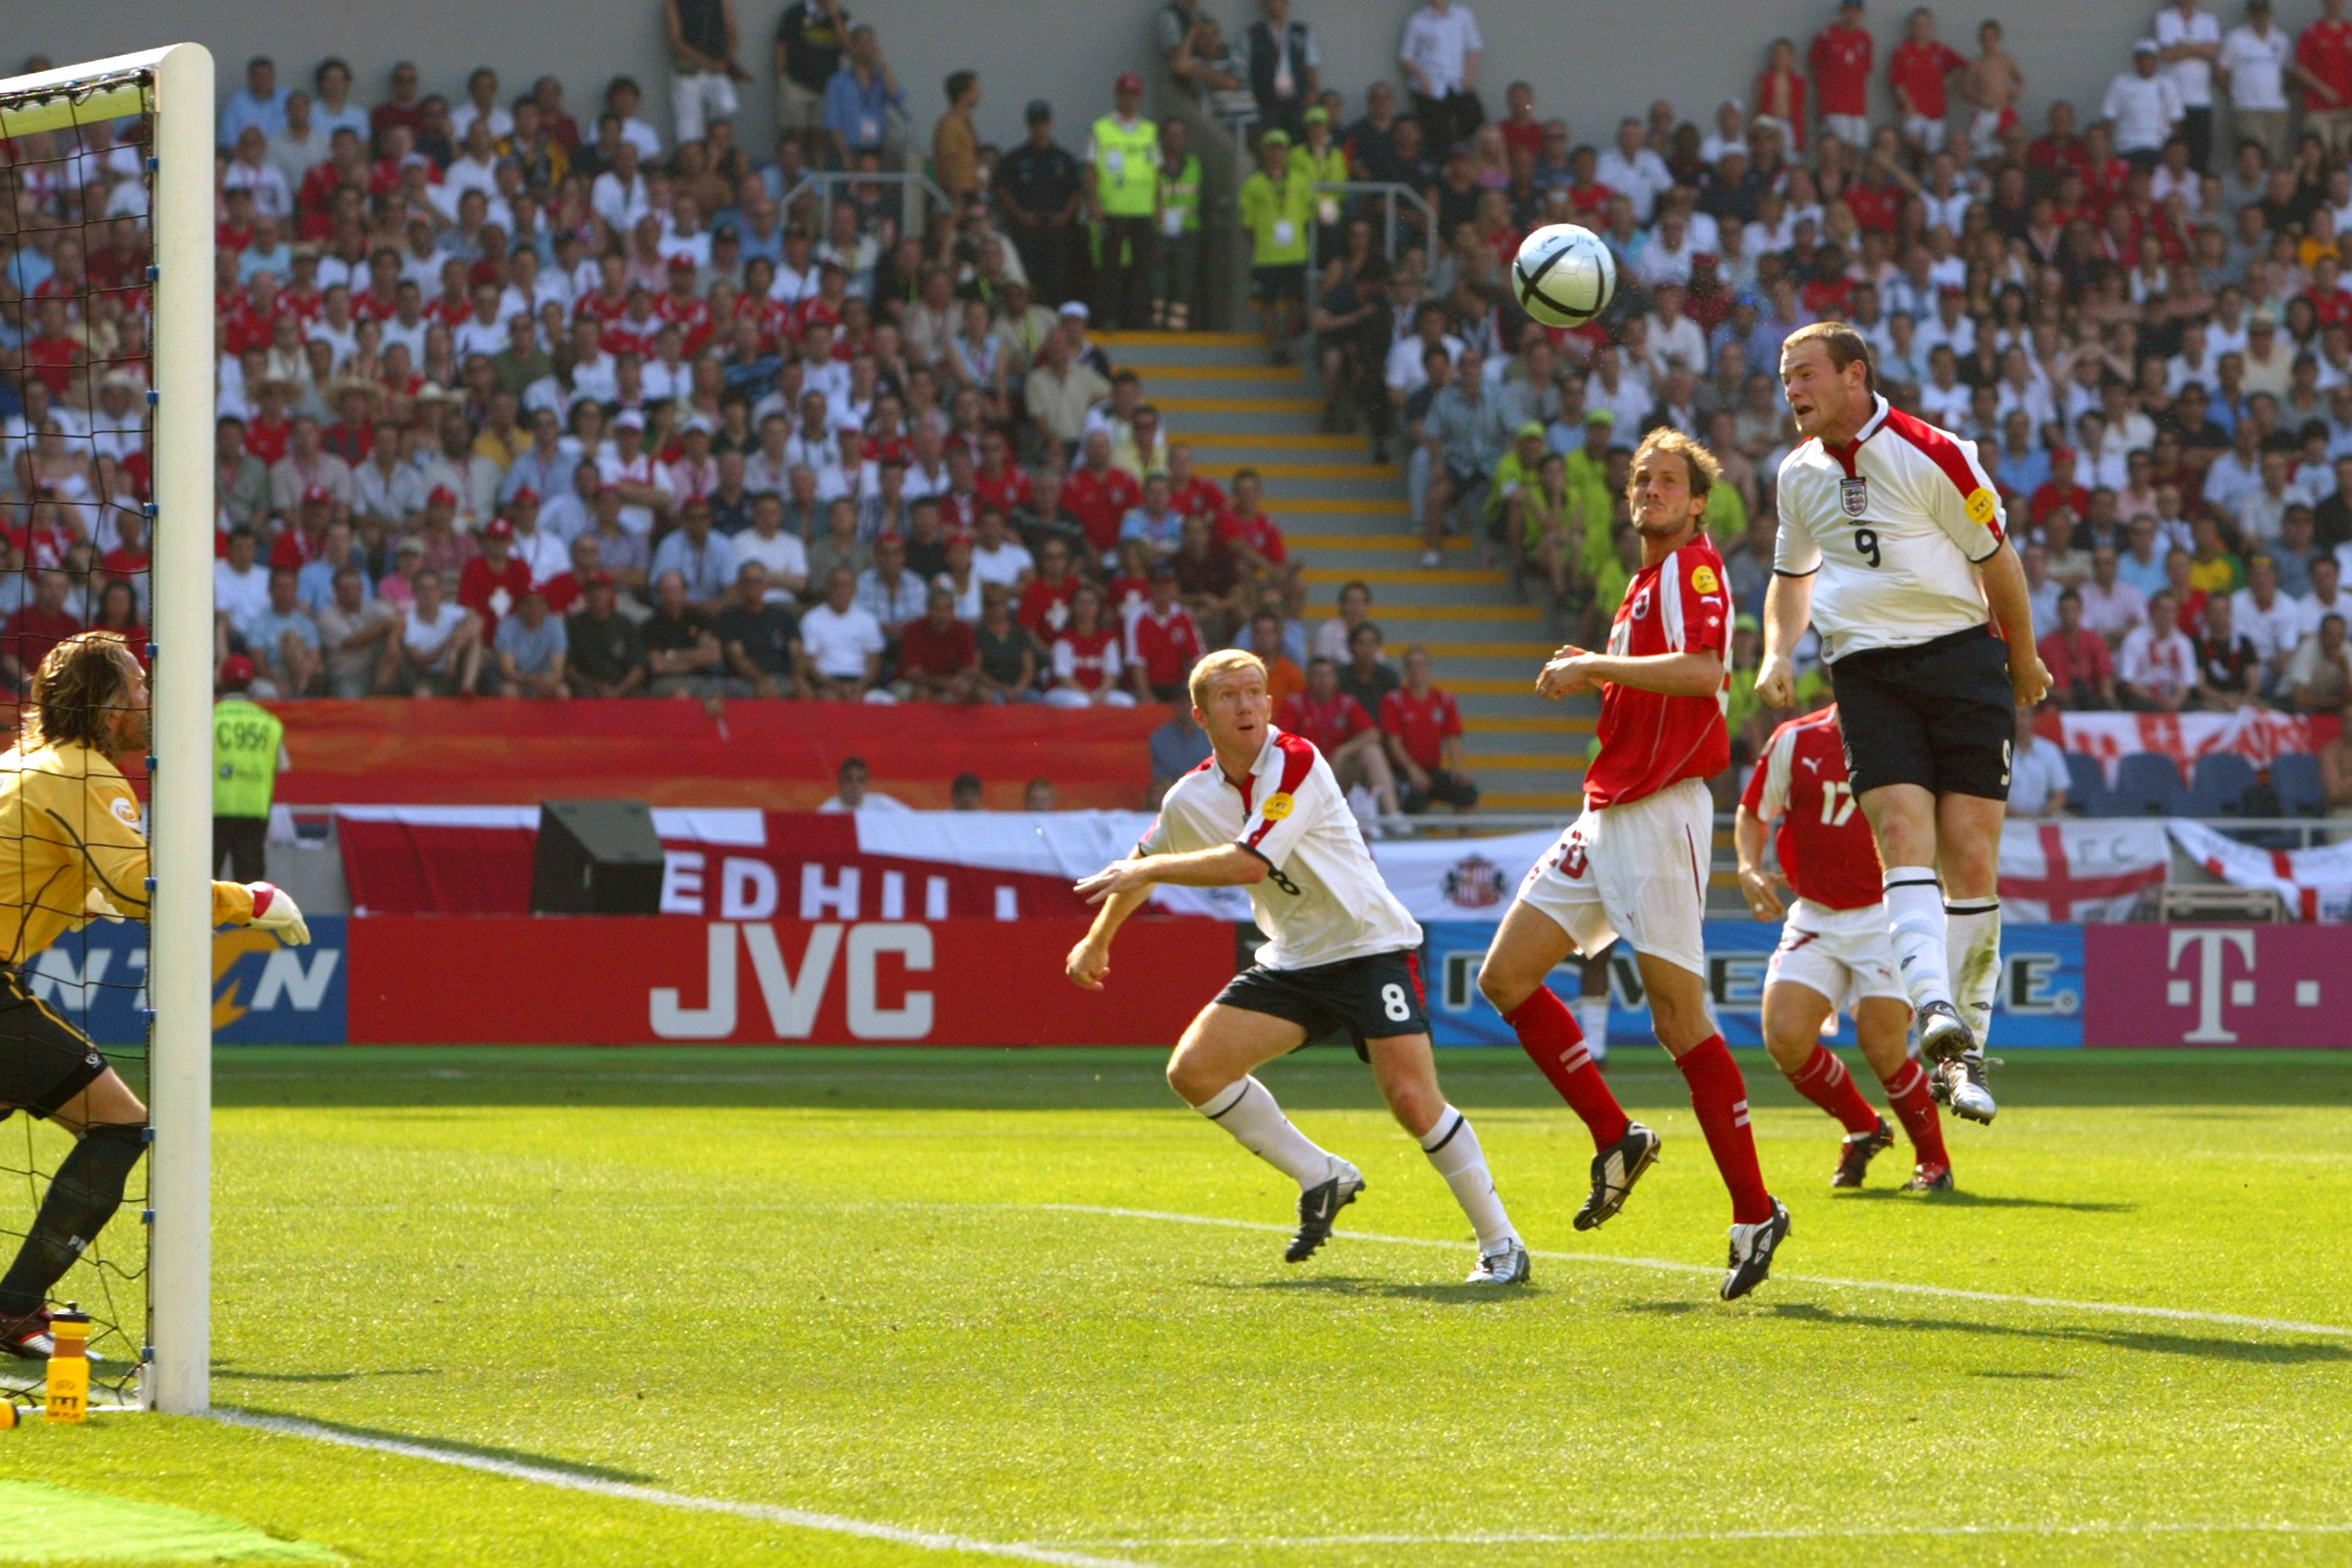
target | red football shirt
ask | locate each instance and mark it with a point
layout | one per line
(1648, 740)
(1198, 494)
(1165, 647)
(1824, 840)
(1840, 61)
(489, 594)
(1329, 725)
(1260, 532)
(1101, 503)
(1920, 70)
(2324, 51)
(33, 631)
(1045, 606)
(1424, 724)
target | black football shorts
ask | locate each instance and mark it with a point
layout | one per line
(1940, 714)
(1370, 998)
(44, 1060)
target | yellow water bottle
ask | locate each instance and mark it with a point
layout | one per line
(69, 1365)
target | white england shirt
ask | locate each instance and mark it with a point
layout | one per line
(1892, 527)
(1323, 900)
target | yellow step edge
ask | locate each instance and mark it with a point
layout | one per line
(1564, 801)
(1202, 340)
(1351, 506)
(1195, 402)
(1401, 544)
(1221, 469)
(1497, 725)
(1456, 576)
(1385, 614)
(1207, 441)
(1536, 651)
(1494, 685)
(1153, 372)
(1522, 763)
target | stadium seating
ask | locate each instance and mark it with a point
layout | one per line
(2148, 785)
(2295, 779)
(2220, 785)
(2086, 785)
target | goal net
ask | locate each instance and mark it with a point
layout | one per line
(107, 400)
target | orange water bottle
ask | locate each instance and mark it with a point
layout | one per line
(69, 1365)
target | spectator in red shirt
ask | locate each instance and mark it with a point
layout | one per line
(1045, 606)
(34, 630)
(2324, 54)
(1780, 91)
(54, 354)
(1422, 730)
(1340, 728)
(1189, 490)
(493, 582)
(1163, 642)
(1100, 496)
(1840, 58)
(2081, 670)
(1921, 65)
(938, 657)
(1256, 541)
(2059, 489)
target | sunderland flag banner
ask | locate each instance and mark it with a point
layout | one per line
(2095, 870)
(1459, 878)
(2317, 884)
(2253, 733)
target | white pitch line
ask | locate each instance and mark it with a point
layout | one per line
(1890, 1286)
(766, 1514)
(1666, 1538)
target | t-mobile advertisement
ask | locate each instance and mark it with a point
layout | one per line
(2219, 986)
(2040, 1001)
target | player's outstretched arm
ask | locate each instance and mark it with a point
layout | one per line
(1696, 672)
(1747, 832)
(1088, 964)
(1788, 611)
(2011, 603)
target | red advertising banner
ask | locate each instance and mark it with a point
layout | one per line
(618, 982)
(2217, 985)
(781, 756)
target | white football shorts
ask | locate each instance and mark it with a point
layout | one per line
(1637, 872)
(1843, 955)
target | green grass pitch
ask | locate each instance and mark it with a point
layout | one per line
(839, 1283)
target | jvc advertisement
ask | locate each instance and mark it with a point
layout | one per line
(2040, 1004)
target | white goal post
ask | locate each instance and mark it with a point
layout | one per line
(177, 1377)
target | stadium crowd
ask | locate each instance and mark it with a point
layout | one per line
(520, 399)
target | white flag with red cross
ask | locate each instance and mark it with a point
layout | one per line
(2092, 871)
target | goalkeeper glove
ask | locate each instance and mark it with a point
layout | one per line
(274, 911)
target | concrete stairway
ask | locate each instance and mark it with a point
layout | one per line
(1346, 517)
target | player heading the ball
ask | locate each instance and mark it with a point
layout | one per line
(1890, 545)
(1634, 864)
(1266, 811)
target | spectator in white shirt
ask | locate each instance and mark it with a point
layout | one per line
(845, 646)
(783, 554)
(1676, 340)
(851, 794)
(1440, 55)
(252, 171)
(2111, 606)
(2144, 107)
(2267, 618)
(619, 196)
(2255, 59)
(2326, 597)
(2156, 670)
(2037, 775)
(240, 583)
(1634, 170)
(996, 555)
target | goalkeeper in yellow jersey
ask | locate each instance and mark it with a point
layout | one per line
(71, 851)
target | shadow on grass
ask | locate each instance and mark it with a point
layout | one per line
(1964, 1199)
(453, 1446)
(1317, 1077)
(2207, 1347)
(231, 1370)
(2289, 1354)
(1458, 1294)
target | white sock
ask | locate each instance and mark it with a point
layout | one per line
(1452, 1148)
(1972, 929)
(1915, 923)
(1248, 1111)
(1592, 1015)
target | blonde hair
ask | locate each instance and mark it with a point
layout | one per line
(1704, 472)
(1224, 661)
(83, 679)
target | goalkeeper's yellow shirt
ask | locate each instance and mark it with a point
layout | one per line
(70, 848)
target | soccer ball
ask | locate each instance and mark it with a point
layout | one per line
(1563, 275)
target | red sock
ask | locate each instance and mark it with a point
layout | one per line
(1547, 1033)
(1825, 1080)
(1719, 1095)
(1906, 1092)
